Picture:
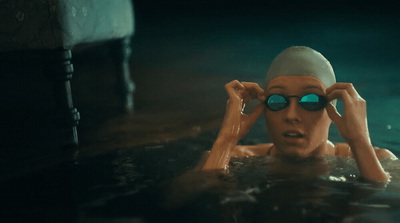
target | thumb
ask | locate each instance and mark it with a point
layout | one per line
(255, 114)
(333, 113)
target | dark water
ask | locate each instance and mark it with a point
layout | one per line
(156, 183)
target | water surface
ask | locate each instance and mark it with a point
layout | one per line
(157, 183)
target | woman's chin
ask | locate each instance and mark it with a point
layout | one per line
(295, 152)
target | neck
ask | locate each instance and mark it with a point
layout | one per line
(325, 149)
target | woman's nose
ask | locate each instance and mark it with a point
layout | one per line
(292, 111)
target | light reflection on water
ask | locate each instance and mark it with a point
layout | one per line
(157, 183)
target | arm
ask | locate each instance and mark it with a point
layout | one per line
(353, 127)
(235, 124)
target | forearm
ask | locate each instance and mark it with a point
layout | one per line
(220, 153)
(236, 124)
(227, 139)
(368, 163)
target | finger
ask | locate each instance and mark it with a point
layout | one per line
(333, 113)
(349, 103)
(255, 114)
(232, 89)
(248, 93)
(235, 85)
(254, 91)
(340, 94)
(253, 87)
(349, 87)
(338, 85)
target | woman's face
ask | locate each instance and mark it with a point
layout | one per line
(295, 130)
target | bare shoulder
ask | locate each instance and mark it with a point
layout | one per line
(343, 149)
(384, 153)
(252, 150)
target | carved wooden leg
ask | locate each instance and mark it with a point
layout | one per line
(121, 52)
(59, 70)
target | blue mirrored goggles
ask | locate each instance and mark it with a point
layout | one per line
(310, 102)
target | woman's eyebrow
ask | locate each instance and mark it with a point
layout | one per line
(276, 87)
(305, 88)
(313, 87)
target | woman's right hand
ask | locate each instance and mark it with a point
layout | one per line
(236, 124)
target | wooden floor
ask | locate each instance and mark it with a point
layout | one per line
(169, 104)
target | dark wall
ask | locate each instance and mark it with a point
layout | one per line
(259, 6)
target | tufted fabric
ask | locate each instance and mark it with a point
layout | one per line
(50, 24)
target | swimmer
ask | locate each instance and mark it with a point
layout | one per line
(299, 104)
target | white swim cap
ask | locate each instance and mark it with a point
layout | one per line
(301, 60)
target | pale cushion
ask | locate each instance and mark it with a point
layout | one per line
(50, 24)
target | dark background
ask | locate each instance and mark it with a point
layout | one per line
(258, 6)
(239, 39)
(183, 54)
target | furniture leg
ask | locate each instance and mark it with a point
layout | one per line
(59, 70)
(121, 52)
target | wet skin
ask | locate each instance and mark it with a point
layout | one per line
(295, 131)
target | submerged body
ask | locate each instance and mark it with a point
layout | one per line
(295, 128)
(334, 149)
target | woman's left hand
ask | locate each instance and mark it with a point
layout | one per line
(353, 127)
(352, 124)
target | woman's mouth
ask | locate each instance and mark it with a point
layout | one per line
(293, 137)
(293, 134)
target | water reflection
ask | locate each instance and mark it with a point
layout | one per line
(160, 184)
(276, 189)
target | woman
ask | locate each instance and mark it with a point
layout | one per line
(299, 105)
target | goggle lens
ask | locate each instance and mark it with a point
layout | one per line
(311, 102)
(276, 102)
